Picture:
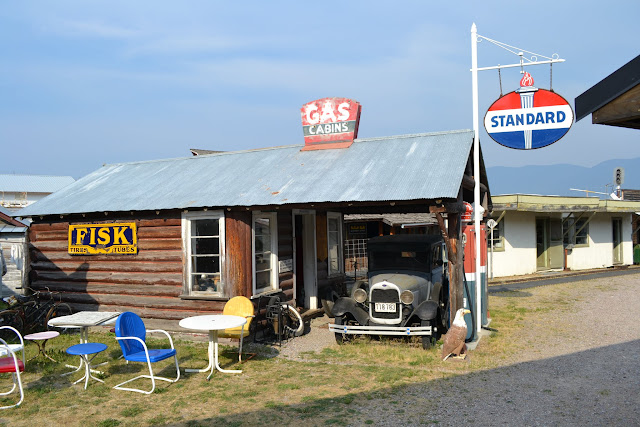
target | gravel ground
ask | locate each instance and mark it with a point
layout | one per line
(577, 364)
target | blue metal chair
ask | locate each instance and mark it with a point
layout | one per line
(131, 333)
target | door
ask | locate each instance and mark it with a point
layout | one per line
(556, 247)
(304, 253)
(616, 225)
(542, 243)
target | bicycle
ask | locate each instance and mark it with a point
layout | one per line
(284, 318)
(31, 313)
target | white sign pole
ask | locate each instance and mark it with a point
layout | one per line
(525, 61)
(476, 174)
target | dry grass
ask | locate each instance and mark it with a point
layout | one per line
(322, 390)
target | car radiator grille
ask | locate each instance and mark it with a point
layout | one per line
(384, 295)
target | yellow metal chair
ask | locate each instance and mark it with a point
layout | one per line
(243, 307)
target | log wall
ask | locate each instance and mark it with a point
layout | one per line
(148, 283)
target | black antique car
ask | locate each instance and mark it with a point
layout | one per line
(406, 294)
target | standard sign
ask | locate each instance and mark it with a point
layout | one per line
(330, 123)
(93, 239)
(528, 117)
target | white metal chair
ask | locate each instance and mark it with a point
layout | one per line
(131, 334)
(19, 346)
(11, 364)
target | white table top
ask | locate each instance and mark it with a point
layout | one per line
(84, 319)
(212, 322)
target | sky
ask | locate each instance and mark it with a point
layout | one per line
(87, 83)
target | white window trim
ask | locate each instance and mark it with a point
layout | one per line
(338, 216)
(273, 225)
(187, 217)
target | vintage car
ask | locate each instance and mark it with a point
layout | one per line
(406, 294)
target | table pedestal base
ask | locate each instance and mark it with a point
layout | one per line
(213, 358)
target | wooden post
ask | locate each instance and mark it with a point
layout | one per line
(455, 257)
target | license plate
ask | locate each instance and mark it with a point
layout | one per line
(385, 307)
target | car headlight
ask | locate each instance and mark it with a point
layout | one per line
(360, 295)
(406, 297)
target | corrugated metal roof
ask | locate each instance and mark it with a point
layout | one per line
(407, 167)
(33, 183)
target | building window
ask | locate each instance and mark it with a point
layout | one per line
(203, 236)
(496, 238)
(334, 243)
(265, 252)
(575, 232)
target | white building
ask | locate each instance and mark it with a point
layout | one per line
(539, 233)
(18, 191)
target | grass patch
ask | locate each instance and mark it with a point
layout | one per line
(327, 388)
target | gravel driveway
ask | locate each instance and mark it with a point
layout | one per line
(576, 363)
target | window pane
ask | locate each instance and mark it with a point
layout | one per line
(205, 246)
(263, 243)
(205, 264)
(262, 227)
(263, 261)
(205, 227)
(263, 279)
(206, 283)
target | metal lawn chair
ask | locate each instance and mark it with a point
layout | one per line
(11, 364)
(131, 334)
(243, 307)
(17, 347)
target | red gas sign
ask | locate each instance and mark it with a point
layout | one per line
(330, 123)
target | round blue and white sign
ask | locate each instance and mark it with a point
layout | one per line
(528, 118)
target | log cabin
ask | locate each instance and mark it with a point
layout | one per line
(174, 238)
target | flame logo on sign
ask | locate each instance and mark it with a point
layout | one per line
(526, 80)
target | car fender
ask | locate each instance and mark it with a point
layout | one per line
(427, 310)
(348, 305)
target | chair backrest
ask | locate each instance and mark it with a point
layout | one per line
(238, 306)
(130, 324)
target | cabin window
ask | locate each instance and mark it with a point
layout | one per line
(334, 242)
(575, 232)
(265, 252)
(203, 236)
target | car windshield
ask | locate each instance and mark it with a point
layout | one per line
(398, 259)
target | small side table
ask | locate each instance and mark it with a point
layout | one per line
(84, 350)
(42, 337)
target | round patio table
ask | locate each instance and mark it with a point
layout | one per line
(41, 339)
(213, 323)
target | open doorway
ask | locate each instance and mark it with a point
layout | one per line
(305, 272)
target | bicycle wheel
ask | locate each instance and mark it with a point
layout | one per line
(11, 318)
(293, 321)
(62, 309)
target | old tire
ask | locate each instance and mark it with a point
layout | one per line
(293, 321)
(340, 337)
(428, 341)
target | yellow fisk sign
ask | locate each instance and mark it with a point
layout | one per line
(92, 239)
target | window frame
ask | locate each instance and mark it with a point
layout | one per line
(273, 230)
(340, 244)
(187, 221)
(571, 237)
(500, 228)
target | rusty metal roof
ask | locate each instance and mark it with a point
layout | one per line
(406, 167)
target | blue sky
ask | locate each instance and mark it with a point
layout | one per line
(84, 83)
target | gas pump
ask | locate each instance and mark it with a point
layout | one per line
(470, 286)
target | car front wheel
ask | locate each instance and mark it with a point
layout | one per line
(340, 337)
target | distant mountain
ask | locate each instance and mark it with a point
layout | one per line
(557, 180)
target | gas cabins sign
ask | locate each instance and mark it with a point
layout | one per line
(330, 123)
(112, 239)
(528, 117)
